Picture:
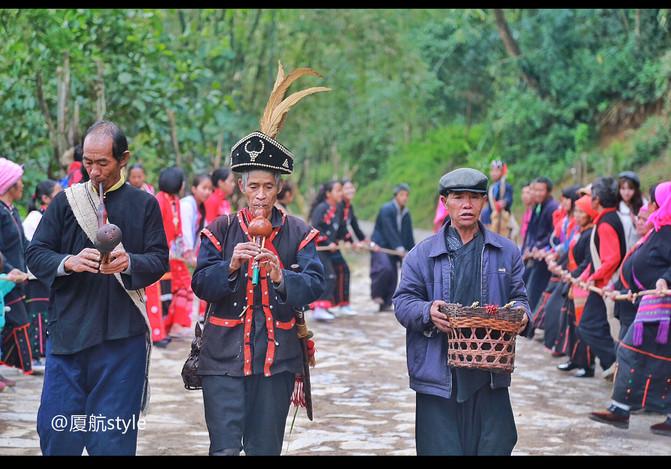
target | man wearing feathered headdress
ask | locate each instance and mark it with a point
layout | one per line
(252, 359)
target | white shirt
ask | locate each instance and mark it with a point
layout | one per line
(189, 213)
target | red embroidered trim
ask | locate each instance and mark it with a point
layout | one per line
(285, 326)
(225, 322)
(212, 238)
(310, 236)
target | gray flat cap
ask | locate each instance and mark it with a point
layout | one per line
(463, 180)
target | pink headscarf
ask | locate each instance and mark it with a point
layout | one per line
(10, 172)
(662, 216)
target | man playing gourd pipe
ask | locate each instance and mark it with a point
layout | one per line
(99, 337)
(251, 356)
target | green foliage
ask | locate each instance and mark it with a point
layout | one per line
(414, 92)
(420, 164)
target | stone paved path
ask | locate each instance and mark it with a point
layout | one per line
(363, 405)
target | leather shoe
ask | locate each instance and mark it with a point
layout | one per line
(663, 428)
(556, 354)
(611, 417)
(585, 373)
(568, 366)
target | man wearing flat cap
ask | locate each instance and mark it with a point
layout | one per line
(458, 411)
(392, 233)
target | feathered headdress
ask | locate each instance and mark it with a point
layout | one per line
(260, 150)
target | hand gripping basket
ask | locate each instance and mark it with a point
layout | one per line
(482, 337)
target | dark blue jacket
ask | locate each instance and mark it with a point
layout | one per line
(13, 242)
(540, 226)
(386, 234)
(425, 277)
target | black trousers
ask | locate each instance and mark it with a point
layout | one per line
(539, 276)
(247, 413)
(383, 276)
(326, 259)
(483, 425)
(594, 330)
(341, 291)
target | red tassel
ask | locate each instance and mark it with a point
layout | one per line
(298, 396)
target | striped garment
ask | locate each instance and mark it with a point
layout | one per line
(653, 309)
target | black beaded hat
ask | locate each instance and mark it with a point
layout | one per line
(260, 150)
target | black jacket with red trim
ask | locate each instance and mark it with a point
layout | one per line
(223, 349)
(327, 219)
(349, 219)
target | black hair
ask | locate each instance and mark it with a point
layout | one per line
(79, 152)
(287, 187)
(170, 180)
(571, 192)
(321, 195)
(109, 128)
(198, 178)
(195, 182)
(136, 166)
(637, 200)
(220, 174)
(45, 187)
(545, 180)
(606, 190)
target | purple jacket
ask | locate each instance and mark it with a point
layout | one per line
(425, 277)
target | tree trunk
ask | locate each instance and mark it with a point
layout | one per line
(218, 154)
(637, 31)
(513, 49)
(63, 75)
(173, 134)
(101, 104)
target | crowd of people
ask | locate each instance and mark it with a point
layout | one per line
(602, 251)
(598, 268)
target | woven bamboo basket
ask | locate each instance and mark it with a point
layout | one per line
(482, 338)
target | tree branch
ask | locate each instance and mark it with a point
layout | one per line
(513, 49)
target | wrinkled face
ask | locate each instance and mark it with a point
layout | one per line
(464, 208)
(581, 218)
(335, 194)
(136, 177)
(642, 226)
(627, 191)
(16, 191)
(402, 198)
(527, 198)
(260, 191)
(348, 190)
(202, 191)
(99, 161)
(540, 192)
(495, 173)
(227, 185)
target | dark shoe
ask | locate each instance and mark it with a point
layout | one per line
(663, 428)
(163, 343)
(612, 416)
(556, 354)
(568, 366)
(385, 307)
(585, 373)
